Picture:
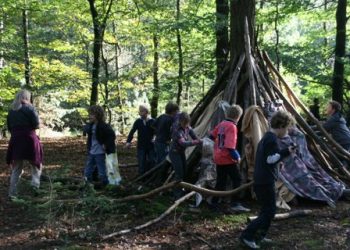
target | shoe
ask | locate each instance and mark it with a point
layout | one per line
(239, 208)
(249, 243)
(266, 241)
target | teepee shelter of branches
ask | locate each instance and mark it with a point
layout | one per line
(248, 79)
(253, 80)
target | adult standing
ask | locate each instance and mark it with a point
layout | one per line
(24, 144)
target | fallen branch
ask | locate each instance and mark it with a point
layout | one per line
(130, 165)
(283, 216)
(170, 185)
(160, 165)
(146, 195)
(205, 191)
(151, 222)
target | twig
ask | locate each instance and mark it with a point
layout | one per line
(151, 222)
(169, 177)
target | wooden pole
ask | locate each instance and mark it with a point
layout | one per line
(249, 62)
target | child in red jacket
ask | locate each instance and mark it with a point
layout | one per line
(226, 156)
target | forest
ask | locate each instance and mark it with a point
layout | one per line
(120, 54)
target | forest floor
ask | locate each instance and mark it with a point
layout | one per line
(47, 222)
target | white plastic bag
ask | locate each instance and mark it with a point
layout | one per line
(112, 168)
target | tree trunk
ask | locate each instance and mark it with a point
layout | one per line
(119, 89)
(340, 40)
(156, 90)
(106, 87)
(99, 24)
(239, 10)
(179, 46)
(2, 60)
(222, 47)
(27, 70)
(277, 36)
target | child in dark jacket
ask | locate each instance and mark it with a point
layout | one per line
(268, 155)
(100, 141)
(163, 125)
(226, 156)
(145, 145)
(180, 141)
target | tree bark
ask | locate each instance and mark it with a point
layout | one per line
(277, 41)
(340, 41)
(2, 60)
(99, 24)
(222, 45)
(179, 46)
(119, 88)
(156, 90)
(239, 10)
(27, 69)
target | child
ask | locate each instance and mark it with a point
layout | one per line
(162, 127)
(145, 145)
(226, 157)
(265, 174)
(100, 141)
(180, 141)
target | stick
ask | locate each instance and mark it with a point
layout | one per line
(151, 222)
(283, 216)
(150, 171)
(146, 195)
(130, 165)
(249, 61)
(169, 177)
(205, 191)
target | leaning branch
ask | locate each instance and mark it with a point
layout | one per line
(151, 222)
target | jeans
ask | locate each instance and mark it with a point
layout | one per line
(146, 159)
(162, 150)
(178, 160)
(91, 163)
(16, 173)
(257, 229)
(224, 171)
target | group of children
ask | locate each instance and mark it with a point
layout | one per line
(169, 134)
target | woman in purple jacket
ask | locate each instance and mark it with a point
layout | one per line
(24, 144)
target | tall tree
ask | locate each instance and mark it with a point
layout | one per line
(340, 42)
(2, 60)
(240, 9)
(180, 55)
(99, 21)
(27, 69)
(155, 96)
(222, 47)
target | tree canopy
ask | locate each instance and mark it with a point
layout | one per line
(300, 36)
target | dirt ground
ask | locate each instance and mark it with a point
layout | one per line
(45, 221)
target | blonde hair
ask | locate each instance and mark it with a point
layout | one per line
(144, 108)
(234, 112)
(22, 95)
